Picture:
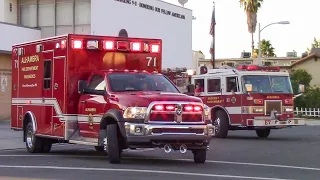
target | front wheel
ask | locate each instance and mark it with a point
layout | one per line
(113, 148)
(263, 133)
(35, 144)
(199, 155)
(222, 124)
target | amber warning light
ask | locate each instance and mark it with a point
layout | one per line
(114, 45)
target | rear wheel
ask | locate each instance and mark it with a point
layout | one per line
(199, 155)
(113, 148)
(222, 124)
(263, 133)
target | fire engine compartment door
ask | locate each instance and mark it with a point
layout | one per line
(232, 99)
(58, 85)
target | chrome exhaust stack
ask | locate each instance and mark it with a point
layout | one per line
(167, 148)
(183, 148)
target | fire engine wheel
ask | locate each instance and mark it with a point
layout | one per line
(222, 124)
(199, 155)
(113, 148)
(263, 133)
(36, 144)
(99, 148)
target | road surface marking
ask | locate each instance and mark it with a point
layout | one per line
(191, 160)
(140, 171)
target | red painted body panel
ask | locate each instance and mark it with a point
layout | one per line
(68, 66)
(241, 100)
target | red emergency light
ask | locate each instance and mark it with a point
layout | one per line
(76, 44)
(258, 68)
(112, 45)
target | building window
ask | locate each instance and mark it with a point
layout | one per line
(10, 7)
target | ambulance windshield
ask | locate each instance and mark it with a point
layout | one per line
(122, 82)
(268, 84)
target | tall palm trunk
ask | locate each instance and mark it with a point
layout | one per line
(252, 44)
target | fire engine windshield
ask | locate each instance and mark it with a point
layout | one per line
(121, 82)
(268, 84)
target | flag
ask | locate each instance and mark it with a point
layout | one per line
(212, 33)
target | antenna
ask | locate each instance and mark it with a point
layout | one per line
(182, 2)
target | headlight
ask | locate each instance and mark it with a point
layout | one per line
(135, 113)
(288, 109)
(207, 112)
(258, 110)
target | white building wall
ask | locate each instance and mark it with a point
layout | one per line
(2, 11)
(148, 19)
(12, 34)
(57, 17)
(10, 11)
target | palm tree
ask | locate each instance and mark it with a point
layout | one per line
(251, 8)
(266, 49)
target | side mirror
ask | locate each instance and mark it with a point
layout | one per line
(82, 85)
(301, 88)
(248, 87)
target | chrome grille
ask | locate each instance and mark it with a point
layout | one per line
(273, 105)
(177, 115)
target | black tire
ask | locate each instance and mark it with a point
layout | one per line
(99, 148)
(33, 143)
(222, 124)
(46, 145)
(263, 133)
(114, 152)
(199, 155)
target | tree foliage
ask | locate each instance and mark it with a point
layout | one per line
(315, 44)
(311, 97)
(267, 50)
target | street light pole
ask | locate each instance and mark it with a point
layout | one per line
(259, 37)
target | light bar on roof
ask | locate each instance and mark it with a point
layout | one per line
(92, 44)
(136, 46)
(77, 44)
(155, 48)
(108, 45)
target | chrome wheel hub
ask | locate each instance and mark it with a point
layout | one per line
(30, 138)
(217, 124)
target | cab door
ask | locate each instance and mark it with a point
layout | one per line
(93, 104)
(213, 92)
(232, 99)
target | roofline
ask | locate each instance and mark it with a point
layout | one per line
(5, 52)
(17, 25)
(175, 5)
(304, 59)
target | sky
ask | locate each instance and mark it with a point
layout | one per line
(232, 36)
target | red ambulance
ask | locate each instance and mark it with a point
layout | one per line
(105, 92)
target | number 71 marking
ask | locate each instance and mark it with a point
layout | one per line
(154, 59)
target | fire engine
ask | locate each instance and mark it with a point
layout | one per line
(247, 97)
(105, 92)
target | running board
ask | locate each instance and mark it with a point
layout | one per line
(83, 142)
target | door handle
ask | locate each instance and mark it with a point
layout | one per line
(55, 85)
(83, 102)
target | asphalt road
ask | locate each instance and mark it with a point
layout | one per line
(286, 154)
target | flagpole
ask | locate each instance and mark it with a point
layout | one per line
(213, 37)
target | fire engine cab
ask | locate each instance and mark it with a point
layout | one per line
(105, 92)
(248, 97)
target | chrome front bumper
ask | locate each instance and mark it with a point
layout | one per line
(271, 122)
(169, 132)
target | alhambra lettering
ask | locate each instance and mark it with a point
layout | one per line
(152, 8)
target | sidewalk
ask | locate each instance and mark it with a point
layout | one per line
(10, 139)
